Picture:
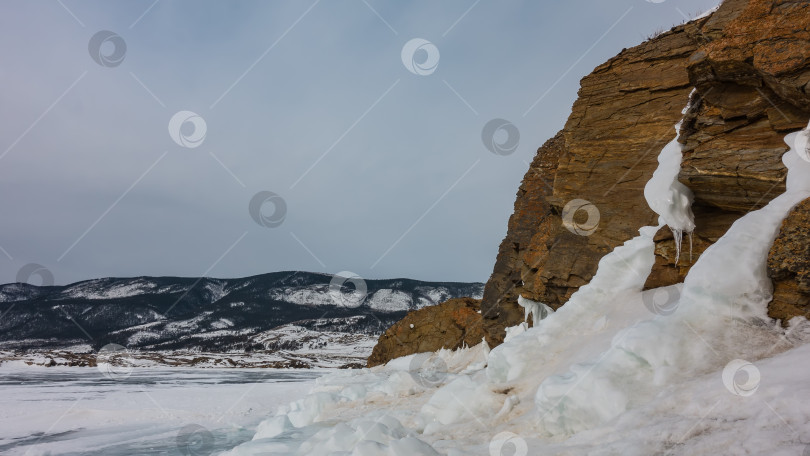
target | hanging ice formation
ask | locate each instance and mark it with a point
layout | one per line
(538, 310)
(669, 198)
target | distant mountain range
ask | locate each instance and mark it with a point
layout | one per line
(306, 315)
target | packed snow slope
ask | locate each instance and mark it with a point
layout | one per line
(691, 369)
(270, 312)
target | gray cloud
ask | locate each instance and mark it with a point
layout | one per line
(282, 112)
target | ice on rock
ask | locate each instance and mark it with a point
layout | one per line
(538, 310)
(669, 198)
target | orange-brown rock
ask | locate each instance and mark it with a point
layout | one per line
(625, 114)
(532, 218)
(451, 324)
(789, 266)
(748, 62)
(753, 80)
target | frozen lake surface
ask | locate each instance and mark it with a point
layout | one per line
(172, 411)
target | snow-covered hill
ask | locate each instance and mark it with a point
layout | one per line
(318, 315)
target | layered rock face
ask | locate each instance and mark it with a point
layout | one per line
(753, 82)
(532, 218)
(749, 64)
(451, 324)
(625, 114)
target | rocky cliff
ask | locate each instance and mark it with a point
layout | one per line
(749, 66)
(744, 71)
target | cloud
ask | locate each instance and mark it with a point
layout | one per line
(285, 91)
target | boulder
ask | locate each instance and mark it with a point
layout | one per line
(451, 324)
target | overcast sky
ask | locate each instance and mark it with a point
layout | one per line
(376, 157)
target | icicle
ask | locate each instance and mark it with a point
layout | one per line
(690, 247)
(677, 234)
(538, 310)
